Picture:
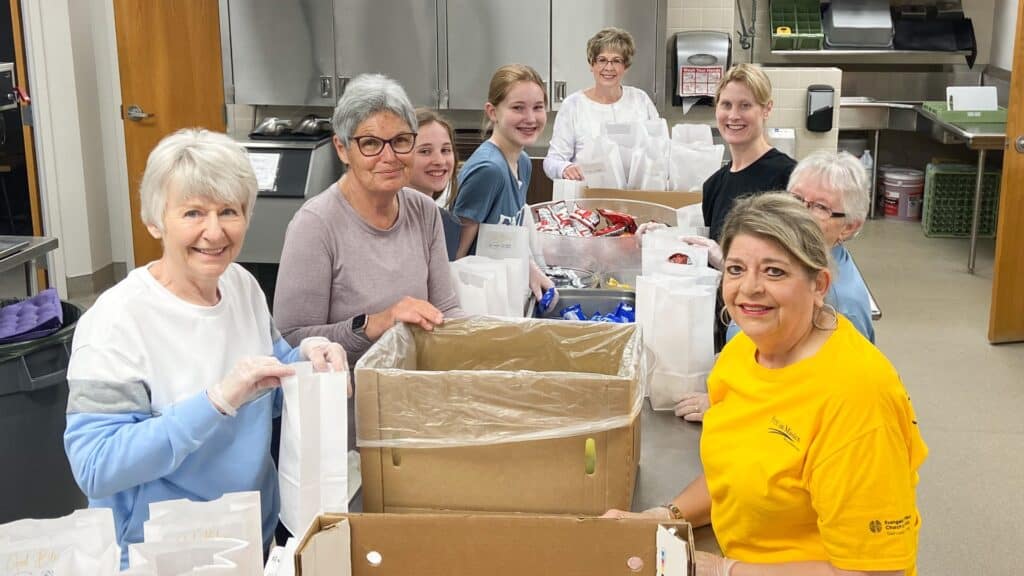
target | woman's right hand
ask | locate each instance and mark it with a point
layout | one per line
(658, 513)
(249, 376)
(409, 310)
(572, 172)
(714, 250)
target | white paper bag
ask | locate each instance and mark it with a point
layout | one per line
(628, 136)
(83, 542)
(662, 250)
(691, 164)
(510, 244)
(676, 315)
(490, 286)
(211, 557)
(313, 463)
(692, 134)
(235, 515)
(649, 168)
(601, 164)
(566, 190)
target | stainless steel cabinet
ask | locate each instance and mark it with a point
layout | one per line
(393, 37)
(573, 22)
(485, 34)
(282, 53)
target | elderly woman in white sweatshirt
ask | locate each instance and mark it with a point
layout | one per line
(609, 53)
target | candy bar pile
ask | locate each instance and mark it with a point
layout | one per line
(583, 223)
(624, 314)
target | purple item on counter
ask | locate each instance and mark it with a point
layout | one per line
(626, 312)
(574, 312)
(35, 317)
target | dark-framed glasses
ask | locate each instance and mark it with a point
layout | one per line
(601, 61)
(819, 210)
(372, 146)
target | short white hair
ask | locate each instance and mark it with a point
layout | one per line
(200, 163)
(843, 173)
(366, 95)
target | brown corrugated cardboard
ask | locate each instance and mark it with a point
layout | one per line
(567, 391)
(672, 199)
(466, 545)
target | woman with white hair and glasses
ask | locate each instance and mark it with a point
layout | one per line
(171, 370)
(369, 251)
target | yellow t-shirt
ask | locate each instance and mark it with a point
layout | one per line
(814, 461)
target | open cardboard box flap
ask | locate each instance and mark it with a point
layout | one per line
(672, 199)
(471, 545)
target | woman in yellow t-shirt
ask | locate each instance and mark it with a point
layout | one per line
(810, 447)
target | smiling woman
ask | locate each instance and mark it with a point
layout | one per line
(171, 370)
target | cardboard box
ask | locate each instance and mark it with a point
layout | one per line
(672, 199)
(460, 545)
(493, 415)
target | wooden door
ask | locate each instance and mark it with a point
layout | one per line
(1006, 319)
(169, 58)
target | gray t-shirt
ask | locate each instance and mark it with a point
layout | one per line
(335, 266)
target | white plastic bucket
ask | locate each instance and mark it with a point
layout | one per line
(904, 193)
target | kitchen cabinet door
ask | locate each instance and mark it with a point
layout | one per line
(573, 23)
(282, 53)
(393, 37)
(485, 34)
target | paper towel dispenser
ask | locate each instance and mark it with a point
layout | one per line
(699, 60)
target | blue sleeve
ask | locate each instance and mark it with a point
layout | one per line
(732, 330)
(859, 314)
(284, 352)
(111, 452)
(480, 186)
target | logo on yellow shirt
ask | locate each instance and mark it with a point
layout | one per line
(784, 430)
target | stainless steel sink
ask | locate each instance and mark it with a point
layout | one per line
(866, 113)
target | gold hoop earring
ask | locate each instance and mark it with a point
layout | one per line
(829, 310)
(724, 317)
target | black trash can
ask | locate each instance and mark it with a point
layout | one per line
(36, 481)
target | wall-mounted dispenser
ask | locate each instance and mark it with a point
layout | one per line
(699, 60)
(820, 104)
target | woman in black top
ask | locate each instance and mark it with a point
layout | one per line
(742, 105)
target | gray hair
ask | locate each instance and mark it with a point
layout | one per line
(199, 163)
(366, 95)
(843, 173)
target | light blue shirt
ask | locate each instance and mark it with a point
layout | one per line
(848, 293)
(487, 188)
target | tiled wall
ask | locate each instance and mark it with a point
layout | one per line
(717, 15)
(789, 95)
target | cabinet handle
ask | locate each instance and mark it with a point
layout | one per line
(342, 84)
(559, 91)
(325, 86)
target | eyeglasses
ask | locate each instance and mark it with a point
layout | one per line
(372, 146)
(601, 62)
(819, 210)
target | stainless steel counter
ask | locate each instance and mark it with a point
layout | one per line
(28, 257)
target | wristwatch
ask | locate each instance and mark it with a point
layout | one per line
(359, 324)
(673, 510)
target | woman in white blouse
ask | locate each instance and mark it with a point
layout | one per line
(609, 52)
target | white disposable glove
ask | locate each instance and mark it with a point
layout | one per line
(691, 407)
(658, 512)
(712, 565)
(644, 229)
(324, 354)
(714, 250)
(247, 379)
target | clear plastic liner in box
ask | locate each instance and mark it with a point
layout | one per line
(480, 381)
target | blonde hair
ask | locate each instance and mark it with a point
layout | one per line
(199, 163)
(611, 39)
(780, 218)
(504, 79)
(425, 116)
(751, 76)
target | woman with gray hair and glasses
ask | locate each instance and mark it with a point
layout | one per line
(172, 370)
(835, 188)
(369, 251)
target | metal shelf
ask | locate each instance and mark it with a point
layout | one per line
(826, 53)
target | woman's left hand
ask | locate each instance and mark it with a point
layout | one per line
(540, 283)
(325, 356)
(712, 565)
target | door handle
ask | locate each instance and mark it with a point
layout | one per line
(1018, 144)
(559, 91)
(137, 114)
(325, 86)
(342, 84)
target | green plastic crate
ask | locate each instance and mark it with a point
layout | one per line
(803, 18)
(949, 201)
(942, 111)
